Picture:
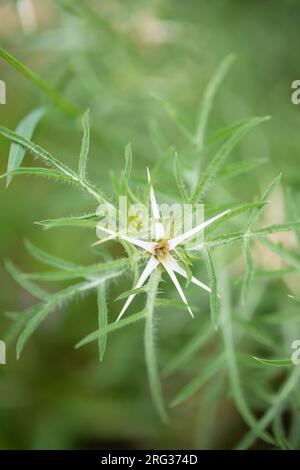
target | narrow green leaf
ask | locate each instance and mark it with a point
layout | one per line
(249, 271)
(48, 259)
(161, 162)
(230, 351)
(37, 150)
(129, 292)
(85, 145)
(284, 392)
(176, 117)
(102, 319)
(19, 323)
(178, 172)
(230, 238)
(26, 128)
(88, 220)
(150, 356)
(212, 367)
(55, 301)
(50, 160)
(107, 270)
(264, 199)
(240, 168)
(169, 303)
(111, 327)
(209, 96)
(49, 90)
(128, 162)
(189, 350)
(32, 288)
(287, 255)
(224, 132)
(36, 171)
(214, 299)
(247, 243)
(218, 160)
(293, 210)
(273, 274)
(280, 434)
(240, 209)
(255, 331)
(295, 298)
(274, 362)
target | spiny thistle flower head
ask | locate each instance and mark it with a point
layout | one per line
(163, 250)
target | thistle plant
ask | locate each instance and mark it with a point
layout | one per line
(147, 261)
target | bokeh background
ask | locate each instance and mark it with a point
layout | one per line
(114, 58)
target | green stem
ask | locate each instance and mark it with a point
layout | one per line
(226, 322)
(49, 90)
(151, 362)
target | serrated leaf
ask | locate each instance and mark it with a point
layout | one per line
(26, 128)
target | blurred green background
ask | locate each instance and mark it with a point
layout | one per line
(113, 57)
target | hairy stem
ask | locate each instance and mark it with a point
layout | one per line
(151, 362)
